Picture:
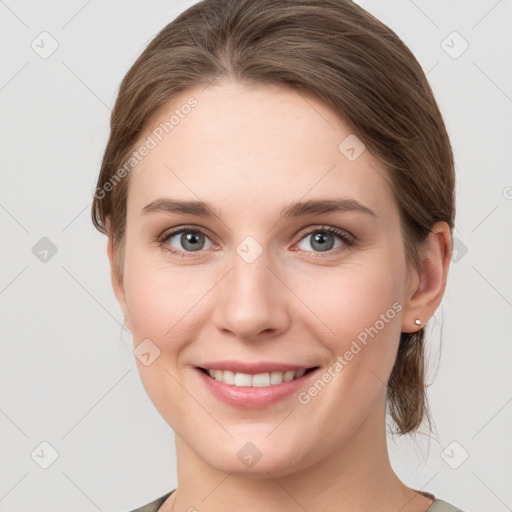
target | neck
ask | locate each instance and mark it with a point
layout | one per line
(355, 476)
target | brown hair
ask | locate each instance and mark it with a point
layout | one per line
(336, 51)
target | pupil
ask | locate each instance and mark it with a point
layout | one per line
(324, 245)
(189, 241)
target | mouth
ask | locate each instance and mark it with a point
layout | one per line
(256, 380)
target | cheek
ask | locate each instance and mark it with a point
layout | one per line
(350, 300)
(161, 303)
(164, 302)
(358, 306)
(361, 306)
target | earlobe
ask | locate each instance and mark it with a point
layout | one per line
(117, 282)
(427, 284)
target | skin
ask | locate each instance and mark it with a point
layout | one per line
(250, 151)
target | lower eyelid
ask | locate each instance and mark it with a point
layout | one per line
(347, 240)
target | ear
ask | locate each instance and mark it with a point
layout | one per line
(426, 285)
(117, 282)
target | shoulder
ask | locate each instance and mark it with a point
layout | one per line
(154, 505)
(437, 506)
(442, 506)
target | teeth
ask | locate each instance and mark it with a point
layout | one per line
(227, 377)
(257, 381)
(241, 379)
(276, 378)
(288, 375)
(260, 380)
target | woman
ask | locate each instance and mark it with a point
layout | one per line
(278, 196)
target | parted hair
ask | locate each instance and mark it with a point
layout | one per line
(341, 54)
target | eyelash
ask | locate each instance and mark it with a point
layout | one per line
(348, 241)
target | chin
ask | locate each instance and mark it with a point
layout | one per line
(255, 460)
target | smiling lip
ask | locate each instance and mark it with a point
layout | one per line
(251, 368)
(249, 397)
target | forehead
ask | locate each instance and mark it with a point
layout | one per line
(254, 145)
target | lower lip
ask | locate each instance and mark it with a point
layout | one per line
(249, 397)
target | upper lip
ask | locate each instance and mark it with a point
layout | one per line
(251, 368)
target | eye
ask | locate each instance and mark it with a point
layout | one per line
(185, 240)
(324, 239)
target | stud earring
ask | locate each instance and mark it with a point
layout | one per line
(417, 321)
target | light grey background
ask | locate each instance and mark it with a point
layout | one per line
(68, 376)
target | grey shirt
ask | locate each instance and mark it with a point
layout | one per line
(437, 506)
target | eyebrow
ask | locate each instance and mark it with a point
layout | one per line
(296, 209)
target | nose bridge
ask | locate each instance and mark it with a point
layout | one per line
(250, 301)
(250, 275)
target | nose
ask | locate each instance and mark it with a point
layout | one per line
(252, 301)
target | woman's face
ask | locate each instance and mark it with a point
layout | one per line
(252, 290)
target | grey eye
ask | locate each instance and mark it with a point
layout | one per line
(321, 241)
(190, 240)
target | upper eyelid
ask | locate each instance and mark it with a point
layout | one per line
(324, 227)
(302, 233)
(173, 232)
